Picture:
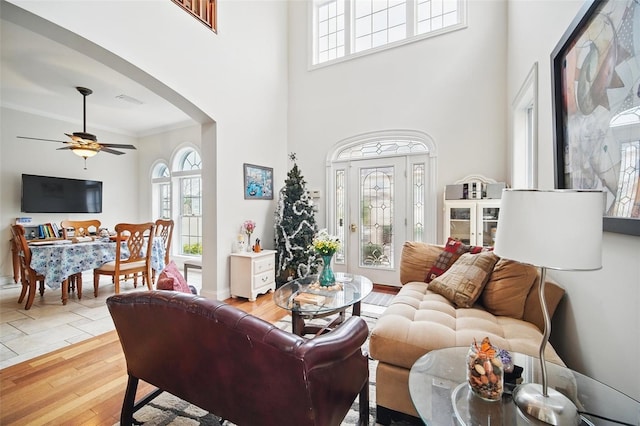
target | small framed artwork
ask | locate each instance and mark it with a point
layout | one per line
(258, 182)
(596, 76)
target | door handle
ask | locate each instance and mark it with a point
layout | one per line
(354, 228)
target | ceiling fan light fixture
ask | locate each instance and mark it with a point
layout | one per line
(84, 152)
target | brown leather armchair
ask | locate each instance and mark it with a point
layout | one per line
(236, 365)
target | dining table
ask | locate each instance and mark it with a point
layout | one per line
(58, 260)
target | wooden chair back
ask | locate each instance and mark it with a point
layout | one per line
(164, 230)
(80, 227)
(136, 236)
(28, 276)
(24, 252)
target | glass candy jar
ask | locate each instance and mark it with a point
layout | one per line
(485, 371)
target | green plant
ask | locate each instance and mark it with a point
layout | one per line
(195, 248)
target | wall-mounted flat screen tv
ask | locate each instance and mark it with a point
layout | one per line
(45, 194)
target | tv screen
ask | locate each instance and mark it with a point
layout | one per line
(44, 194)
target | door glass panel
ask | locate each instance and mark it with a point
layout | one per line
(418, 202)
(376, 217)
(340, 213)
(460, 224)
(489, 225)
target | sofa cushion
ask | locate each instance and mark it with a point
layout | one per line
(418, 321)
(452, 251)
(463, 282)
(508, 287)
(171, 279)
(553, 294)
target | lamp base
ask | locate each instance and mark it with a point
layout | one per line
(554, 409)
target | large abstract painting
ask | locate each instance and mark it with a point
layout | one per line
(596, 79)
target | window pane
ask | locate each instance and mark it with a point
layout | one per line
(191, 215)
(380, 21)
(379, 5)
(362, 7)
(433, 15)
(363, 26)
(397, 33)
(397, 15)
(329, 19)
(323, 28)
(363, 43)
(379, 38)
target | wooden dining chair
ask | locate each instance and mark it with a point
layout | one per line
(164, 230)
(138, 239)
(29, 277)
(80, 228)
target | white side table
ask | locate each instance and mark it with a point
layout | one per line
(253, 273)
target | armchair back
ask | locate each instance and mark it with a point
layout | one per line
(236, 365)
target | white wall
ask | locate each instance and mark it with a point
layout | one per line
(237, 77)
(42, 158)
(599, 319)
(451, 87)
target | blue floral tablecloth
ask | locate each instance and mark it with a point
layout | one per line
(58, 262)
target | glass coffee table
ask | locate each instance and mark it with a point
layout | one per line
(306, 301)
(441, 395)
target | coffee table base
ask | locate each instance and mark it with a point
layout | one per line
(301, 328)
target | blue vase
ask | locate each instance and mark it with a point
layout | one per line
(326, 276)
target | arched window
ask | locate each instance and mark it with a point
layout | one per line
(161, 183)
(187, 180)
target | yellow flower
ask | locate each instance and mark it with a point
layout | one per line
(326, 244)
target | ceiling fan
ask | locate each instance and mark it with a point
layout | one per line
(85, 144)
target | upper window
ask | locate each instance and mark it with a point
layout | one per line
(342, 28)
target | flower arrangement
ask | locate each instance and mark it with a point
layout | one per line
(326, 244)
(249, 226)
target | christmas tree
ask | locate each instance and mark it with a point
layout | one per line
(295, 227)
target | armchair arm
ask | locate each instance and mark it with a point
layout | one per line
(340, 343)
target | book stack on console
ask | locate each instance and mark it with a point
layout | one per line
(311, 299)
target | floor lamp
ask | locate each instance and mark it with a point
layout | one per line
(555, 229)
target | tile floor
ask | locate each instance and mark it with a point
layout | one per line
(49, 325)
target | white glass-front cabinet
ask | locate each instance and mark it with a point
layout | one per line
(473, 222)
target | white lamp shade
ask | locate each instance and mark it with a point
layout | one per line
(556, 229)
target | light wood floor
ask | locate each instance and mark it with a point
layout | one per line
(84, 384)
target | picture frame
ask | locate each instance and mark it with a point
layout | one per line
(596, 103)
(258, 182)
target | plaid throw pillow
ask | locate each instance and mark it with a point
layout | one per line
(452, 251)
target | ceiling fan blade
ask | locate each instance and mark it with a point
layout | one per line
(66, 147)
(40, 139)
(117, 145)
(111, 151)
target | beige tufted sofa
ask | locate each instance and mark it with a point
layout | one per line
(419, 320)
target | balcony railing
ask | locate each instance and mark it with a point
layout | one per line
(203, 10)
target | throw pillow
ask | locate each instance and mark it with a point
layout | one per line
(171, 279)
(417, 259)
(452, 251)
(463, 282)
(506, 292)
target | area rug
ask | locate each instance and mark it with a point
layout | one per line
(167, 409)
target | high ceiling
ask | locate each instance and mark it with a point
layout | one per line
(40, 76)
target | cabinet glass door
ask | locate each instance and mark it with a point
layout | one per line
(460, 224)
(489, 225)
